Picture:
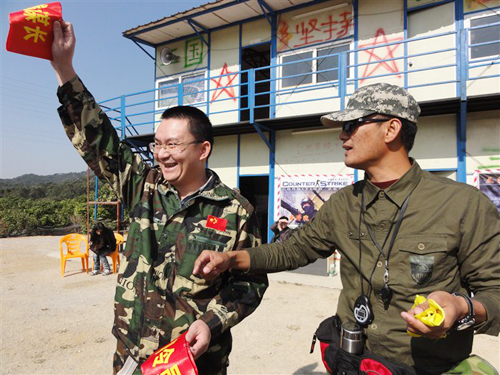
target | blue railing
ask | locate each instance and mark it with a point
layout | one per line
(255, 94)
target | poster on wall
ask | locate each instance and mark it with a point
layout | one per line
(488, 181)
(299, 197)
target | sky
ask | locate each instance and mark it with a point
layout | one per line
(32, 139)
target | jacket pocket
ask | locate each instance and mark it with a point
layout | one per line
(207, 241)
(423, 262)
(197, 242)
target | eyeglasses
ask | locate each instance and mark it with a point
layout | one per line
(350, 126)
(171, 147)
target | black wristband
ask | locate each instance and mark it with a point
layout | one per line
(469, 320)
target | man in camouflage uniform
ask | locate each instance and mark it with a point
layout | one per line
(177, 209)
(445, 248)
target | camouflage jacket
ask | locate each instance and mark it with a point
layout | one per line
(157, 297)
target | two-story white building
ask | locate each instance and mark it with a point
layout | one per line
(265, 71)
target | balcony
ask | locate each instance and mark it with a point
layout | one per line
(440, 70)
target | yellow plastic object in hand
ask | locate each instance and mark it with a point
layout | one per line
(433, 316)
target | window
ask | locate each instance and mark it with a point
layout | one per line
(324, 66)
(297, 66)
(479, 35)
(168, 93)
(193, 86)
(328, 66)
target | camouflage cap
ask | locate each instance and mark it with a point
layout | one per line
(380, 98)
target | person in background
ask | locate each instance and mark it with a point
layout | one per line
(281, 230)
(102, 243)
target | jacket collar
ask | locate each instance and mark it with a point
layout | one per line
(398, 191)
(211, 189)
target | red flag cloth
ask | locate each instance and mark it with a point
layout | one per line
(31, 30)
(174, 358)
(216, 223)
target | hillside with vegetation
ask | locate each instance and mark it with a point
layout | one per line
(31, 204)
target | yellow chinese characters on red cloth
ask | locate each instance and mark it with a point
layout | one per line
(433, 316)
(174, 358)
(31, 30)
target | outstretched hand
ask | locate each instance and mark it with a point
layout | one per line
(63, 49)
(210, 264)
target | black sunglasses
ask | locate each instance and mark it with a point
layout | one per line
(350, 126)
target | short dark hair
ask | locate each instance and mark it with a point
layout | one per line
(283, 217)
(199, 124)
(407, 134)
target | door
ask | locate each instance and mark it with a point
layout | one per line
(255, 57)
(256, 190)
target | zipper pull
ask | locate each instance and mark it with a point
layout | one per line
(313, 344)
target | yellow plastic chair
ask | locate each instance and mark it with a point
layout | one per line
(115, 255)
(70, 246)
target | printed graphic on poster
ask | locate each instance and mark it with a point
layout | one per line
(299, 197)
(488, 181)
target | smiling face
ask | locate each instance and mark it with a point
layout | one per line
(366, 146)
(184, 168)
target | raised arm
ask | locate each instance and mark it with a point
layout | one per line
(89, 128)
(63, 49)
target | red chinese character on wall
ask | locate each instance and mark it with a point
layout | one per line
(345, 24)
(330, 27)
(307, 32)
(283, 35)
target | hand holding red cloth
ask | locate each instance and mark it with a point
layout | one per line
(174, 358)
(31, 30)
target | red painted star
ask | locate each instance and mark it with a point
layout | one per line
(388, 65)
(224, 88)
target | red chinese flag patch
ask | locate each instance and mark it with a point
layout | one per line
(216, 223)
(31, 30)
(174, 358)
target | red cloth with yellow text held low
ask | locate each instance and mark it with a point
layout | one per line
(31, 30)
(174, 358)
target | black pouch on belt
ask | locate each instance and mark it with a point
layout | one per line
(340, 362)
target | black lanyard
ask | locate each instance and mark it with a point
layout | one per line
(386, 292)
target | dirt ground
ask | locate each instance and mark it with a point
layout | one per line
(55, 325)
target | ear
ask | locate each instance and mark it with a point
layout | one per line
(392, 130)
(205, 150)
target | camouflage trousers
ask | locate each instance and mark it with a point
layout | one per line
(474, 365)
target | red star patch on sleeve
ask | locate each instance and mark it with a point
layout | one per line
(216, 223)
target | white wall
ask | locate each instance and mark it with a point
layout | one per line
(303, 31)
(436, 145)
(309, 153)
(255, 32)
(285, 106)
(381, 22)
(483, 139)
(435, 20)
(224, 58)
(254, 155)
(224, 159)
(192, 53)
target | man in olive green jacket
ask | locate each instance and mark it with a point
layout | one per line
(402, 232)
